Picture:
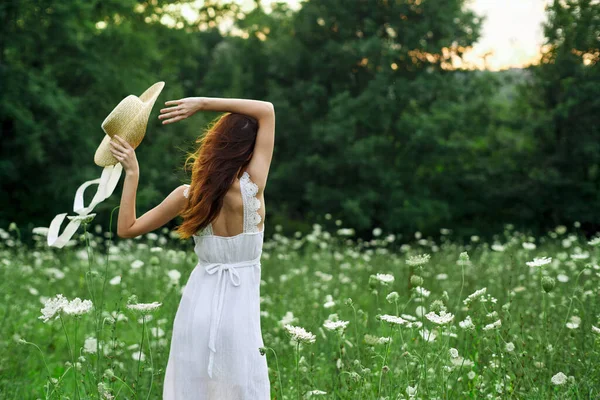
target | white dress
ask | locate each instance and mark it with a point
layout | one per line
(216, 337)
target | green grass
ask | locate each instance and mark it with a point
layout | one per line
(308, 279)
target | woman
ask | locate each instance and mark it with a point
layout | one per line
(216, 338)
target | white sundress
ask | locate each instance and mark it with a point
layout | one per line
(214, 352)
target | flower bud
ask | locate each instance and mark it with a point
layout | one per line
(416, 280)
(548, 283)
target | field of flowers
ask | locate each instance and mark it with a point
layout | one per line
(392, 318)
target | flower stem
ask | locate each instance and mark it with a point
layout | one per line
(297, 373)
(140, 354)
(72, 357)
(278, 373)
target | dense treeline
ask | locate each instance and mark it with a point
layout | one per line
(373, 126)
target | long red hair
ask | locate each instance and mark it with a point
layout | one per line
(226, 146)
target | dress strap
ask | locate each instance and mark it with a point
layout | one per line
(251, 203)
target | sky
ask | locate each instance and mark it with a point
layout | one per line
(511, 36)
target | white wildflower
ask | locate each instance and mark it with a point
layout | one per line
(174, 275)
(418, 260)
(529, 246)
(392, 297)
(441, 319)
(493, 325)
(539, 262)
(510, 347)
(335, 325)
(288, 318)
(300, 334)
(559, 379)
(580, 256)
(144, 307)
(595, 329)
(574, 322)
(40, 230)
(453, 352)
(429, 336)
(498, 247)
(385, 278)
(422, 291)
(90, 344)
(137, 264)
(467, 323)
(53, 307)
(477, 294)
(392, 319)
(78, 307)
(408, 317)
(329, 301)
(595, 241)
(373, 340)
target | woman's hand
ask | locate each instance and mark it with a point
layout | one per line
(125, 153)
(182, 109)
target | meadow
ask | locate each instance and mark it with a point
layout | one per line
(517, 317)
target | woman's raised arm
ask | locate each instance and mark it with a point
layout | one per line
(186, 107)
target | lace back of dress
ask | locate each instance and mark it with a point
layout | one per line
(251, 202)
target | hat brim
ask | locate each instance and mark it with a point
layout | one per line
(135, 131)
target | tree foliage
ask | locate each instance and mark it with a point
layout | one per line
(374, 125)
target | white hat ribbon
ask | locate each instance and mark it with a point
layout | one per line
(106, 185)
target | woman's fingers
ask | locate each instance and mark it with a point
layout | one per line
(172, 102)
(175, 119)
(120, 143)
(117, 152)
(169, 109)
(169, 115)
(116, 146)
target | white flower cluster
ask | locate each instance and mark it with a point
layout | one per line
(559, 379)
(333, 323)
(473, 296)
(595, 241)
(418, 260)
(392, 319)
(467, 324)
(539, 262)
(374, 340)
(144, 307)
(574, 322)
(385, 278)
(493, 325)
(314, 392)
(441, 319)
(53, 307)
(299, 334)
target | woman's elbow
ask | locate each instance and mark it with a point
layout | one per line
(123, 235)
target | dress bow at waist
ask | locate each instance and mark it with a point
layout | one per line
(219, 297)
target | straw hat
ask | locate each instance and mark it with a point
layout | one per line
(128, 120)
